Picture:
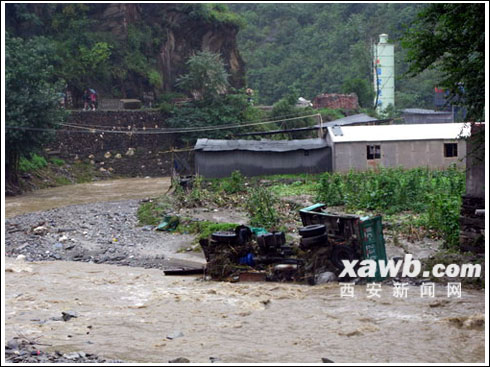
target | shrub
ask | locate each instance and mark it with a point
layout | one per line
(57, 161)
(35, 163)
(260, 206)
(434, 193)
(234, 184)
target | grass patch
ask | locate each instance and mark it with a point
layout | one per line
(152, 212)
(57, 161)
(295, 188)
(35, 163)
(83, 172)
(204, 229)
(60, 181)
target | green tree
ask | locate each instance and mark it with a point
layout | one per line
(362, 88)
(31, 100)
(206, 78)
(323, 46)
(451, 38)
(225, 110)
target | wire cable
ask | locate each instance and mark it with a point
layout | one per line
(153, 132)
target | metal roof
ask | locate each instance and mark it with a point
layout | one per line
(380, 133)
(264, 145)
(421, 111)
(353, 119)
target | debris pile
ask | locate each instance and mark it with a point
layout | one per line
(252, 254)
(22, 350)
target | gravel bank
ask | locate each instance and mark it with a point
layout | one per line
(105, 232)
(23, 351)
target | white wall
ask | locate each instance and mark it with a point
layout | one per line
(408, 154)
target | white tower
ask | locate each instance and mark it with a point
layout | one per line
(384, 73)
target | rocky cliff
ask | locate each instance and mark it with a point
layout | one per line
(143, 37)
(183, 33)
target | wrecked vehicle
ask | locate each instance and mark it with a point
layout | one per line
(251, 254)
(346, 237)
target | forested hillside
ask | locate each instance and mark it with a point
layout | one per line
(326, 48)
(124, 49)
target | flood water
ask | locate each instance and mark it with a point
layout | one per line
(129, 313)
(110, 190)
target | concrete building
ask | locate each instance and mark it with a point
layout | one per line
(423, 116)
(408, 146)
(219, 158)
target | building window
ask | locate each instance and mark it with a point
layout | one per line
(373, 151)
(451, 150)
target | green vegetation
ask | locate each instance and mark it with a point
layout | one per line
(414, 203)
(300, 186)
(114, 60)
(35, 163)
(235, 184)
(436, 195)
(227, 109)
(83, 172)
(31, 102)
(330, 114)
(61, 181)
(450, 37)
(206, 78)
(152, 212)
(260, 205)
(212, 13)
(58, 162)
(204, 228)
(326, 48)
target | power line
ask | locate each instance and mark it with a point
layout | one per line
(155, 131)
(102, 127)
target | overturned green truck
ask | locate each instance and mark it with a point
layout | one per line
(327, 239)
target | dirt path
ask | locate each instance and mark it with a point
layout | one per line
(113, 190)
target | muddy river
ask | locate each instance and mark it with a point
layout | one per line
(131, 314)
(141, 315)
(110, 190)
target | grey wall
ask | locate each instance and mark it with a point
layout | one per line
(249, 163)
(417, 118)
(408, 154)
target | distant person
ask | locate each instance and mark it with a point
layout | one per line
(93, 99)
(86, 100)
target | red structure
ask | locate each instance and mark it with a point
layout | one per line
(345, 101)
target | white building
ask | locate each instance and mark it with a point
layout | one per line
(407, 146)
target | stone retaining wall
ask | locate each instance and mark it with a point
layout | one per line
(123, 153)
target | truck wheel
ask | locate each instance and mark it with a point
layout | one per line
(314, 241)
(312, 230)
(342, 252)
(224, 237)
